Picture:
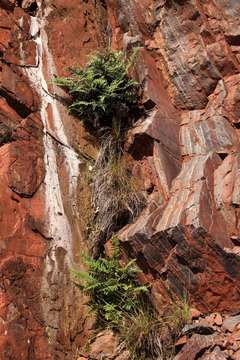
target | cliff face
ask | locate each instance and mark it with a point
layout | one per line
(186, 151)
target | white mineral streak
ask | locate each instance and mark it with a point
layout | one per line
(58, 224)
(59, 227)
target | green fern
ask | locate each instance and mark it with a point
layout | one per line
(102, 91)
(112, 288)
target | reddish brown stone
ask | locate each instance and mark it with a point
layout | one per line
(7, 4)
(218, 319)
(217, 354)
(26, 172)
(231, 323)
(182, 341)
(197, 344)
(15, 88)
(236, 355)
(194, 313)
(105, 345)
(186, 152)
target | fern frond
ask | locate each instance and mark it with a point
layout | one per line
(100, 88)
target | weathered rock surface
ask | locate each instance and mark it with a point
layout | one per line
(188, 241)
(22, 248)
(222, 342)
(186, 150)
(36, 294)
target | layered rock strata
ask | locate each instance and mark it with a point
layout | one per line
(186, 150)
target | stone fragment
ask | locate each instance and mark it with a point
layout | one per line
(123, 356)
(213, 319)
(197, 329)
(15, 88)
(181, 341)
(235, 346)
(24, 54)
(197, 343)
(236, 355)
(218, 52)
(7, 4)
(216, 354)
(230, 323)
(104, 346)
(218, 319)
(27, 172)
(195, 313)
(234, 339)
(182, 65)
(228, 353)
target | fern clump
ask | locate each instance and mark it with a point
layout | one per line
(112, 288)
(103, 90)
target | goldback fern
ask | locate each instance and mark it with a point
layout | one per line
(113, 289)
(102, 91)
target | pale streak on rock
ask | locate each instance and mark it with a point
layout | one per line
(60, 252)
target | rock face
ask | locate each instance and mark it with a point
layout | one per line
(186, 150)
(210, 338)
(188, 241)
(22, 248)
(39, 172)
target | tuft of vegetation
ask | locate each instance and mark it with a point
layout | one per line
(116, 195)
(121, 304)
(150, 335)
(106, 99)
(102, 92)
(179, 315)
(112, 288)
(141, 335)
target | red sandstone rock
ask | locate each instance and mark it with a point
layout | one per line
(27, 170)
(217, 354)
(236, 355)
(7, 4)
(206, 139)
(231, 323)
(197, 344)
(218, 319)
(104, 346)
(187, 149)
(14, 87)
(194, 313)
(182, 341)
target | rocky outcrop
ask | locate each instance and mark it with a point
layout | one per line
(185, 149)
(211, 337)
(187, 240)
(38, 225)
(22, 248)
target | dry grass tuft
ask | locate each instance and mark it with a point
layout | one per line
(140, 334)
(116, 198)
(148, 335)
